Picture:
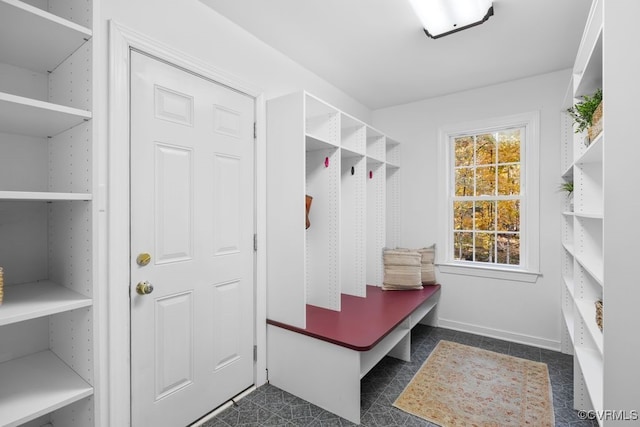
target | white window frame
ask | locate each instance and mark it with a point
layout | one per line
(528, 270)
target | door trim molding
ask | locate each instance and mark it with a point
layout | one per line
(121, 40)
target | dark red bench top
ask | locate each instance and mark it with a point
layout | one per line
(362, 322)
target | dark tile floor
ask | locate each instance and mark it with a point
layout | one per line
(270, 406)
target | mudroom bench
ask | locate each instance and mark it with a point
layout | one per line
(324, 362)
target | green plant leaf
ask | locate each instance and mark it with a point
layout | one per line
(566, 186)
(582, 112)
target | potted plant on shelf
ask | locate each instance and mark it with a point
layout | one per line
(568, 187)
(587, 115)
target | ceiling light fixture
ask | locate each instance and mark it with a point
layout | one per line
(443, 17)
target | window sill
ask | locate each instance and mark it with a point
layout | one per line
(489, 272)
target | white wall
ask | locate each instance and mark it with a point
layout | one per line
(518, 311)
(197, 30)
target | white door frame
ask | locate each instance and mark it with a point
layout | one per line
(118, 375)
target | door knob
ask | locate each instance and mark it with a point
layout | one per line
(144, 288)
(143, 259)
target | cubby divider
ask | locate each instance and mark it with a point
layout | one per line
(314, 149)
(376, 219)
(353, 225)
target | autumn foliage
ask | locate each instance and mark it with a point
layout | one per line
(486, 201)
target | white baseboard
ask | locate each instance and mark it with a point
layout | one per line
(499, 334)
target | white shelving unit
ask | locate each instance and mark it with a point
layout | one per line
(47, 329)
(315, 149)
(597, 236)
(582, 226)
(352, 206)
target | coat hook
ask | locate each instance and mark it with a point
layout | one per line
(370, 174)
(353, 170)
(326, 162)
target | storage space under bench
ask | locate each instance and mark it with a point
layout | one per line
(324, 362)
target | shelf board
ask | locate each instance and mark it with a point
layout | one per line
(591, 367)
(346, 153)
(43, 196)
(589, 215)
(31, 300)
(35, 385)
(593, 153)
(378, 157)
(39, 40)
(26, 116)
(568, 213)
(315, 143)
(568, 174)
(588, 313)
(596, 273)
(569, 248)
(374, 160)
(351, 152)
(392, 166)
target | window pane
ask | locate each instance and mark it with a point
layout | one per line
(485, 216)
(464, 182)
(485, 149)
(463, 246)
(487, 167)
(486, 181)
(463, 215)
(509, 215)
(463, 147)
(509, 146)
(508, 180)
(485, 247)
(508, 246)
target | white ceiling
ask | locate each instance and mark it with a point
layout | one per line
(376, 51)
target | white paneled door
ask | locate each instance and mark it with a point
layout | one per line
(192, 222)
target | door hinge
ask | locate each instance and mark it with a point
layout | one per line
(255, 353)
(255, 131)
(255, 243)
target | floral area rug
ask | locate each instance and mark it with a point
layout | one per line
(459, 385)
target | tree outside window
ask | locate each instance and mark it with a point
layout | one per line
(486, 199)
